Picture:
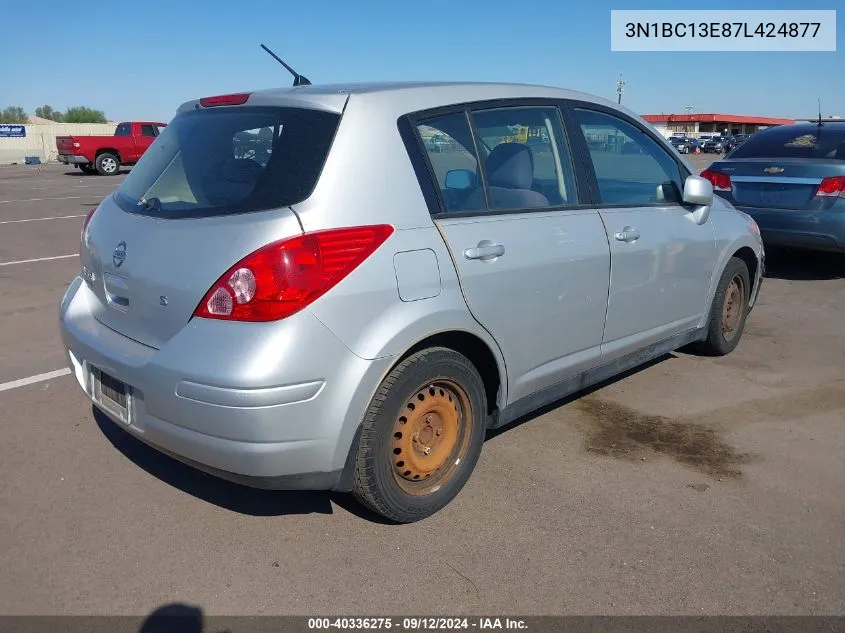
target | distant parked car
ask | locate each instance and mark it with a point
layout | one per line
(791, 180)
(105, 154)
(357, 312)
(681, 143)
(715, 145)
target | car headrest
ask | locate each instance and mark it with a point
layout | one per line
(511, 166)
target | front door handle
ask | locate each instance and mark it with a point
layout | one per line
(485, 250)
(628, 234)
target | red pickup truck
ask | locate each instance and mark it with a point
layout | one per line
(105, 154)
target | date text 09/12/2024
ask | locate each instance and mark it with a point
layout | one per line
(417, 623)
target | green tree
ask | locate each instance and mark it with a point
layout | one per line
(82, 114)
(14, 114)
(47, 112)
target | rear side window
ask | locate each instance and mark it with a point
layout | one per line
(825, 142)
(525, 160)
(631, 168)
(124, 129)
(230, 160)
(524, 163)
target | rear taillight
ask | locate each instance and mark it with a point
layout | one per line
(282, 278)
(85, 223)
(76, 145)
(721, 182)
(833, 187)
(225, 100)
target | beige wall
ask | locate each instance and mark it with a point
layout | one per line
(40, 140)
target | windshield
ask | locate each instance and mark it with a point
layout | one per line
(230, 160)
(825, 142)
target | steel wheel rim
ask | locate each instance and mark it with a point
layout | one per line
(733, 308)
(431, 437)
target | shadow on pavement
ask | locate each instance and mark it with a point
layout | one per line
(220, 492)
(803, 265)
(223, 493)
(576, 396)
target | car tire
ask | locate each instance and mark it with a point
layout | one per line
(87, 170)
(728, 311)
(107, 164)
(421, 436)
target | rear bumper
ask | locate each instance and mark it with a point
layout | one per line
(816, 230)
(72, 159)
(283, 414)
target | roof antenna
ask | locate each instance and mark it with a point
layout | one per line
(298, 80)
(820, 112)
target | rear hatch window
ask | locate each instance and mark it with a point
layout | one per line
(222, 161)
(825, 142)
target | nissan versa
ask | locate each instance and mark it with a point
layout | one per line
(345, 287)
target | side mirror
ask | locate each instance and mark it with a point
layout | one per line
(699, 191)
(460, 179)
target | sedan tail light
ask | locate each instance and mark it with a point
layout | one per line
(833, 187)
(284, 277)
(721, 182)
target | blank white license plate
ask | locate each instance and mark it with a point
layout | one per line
(111, 394)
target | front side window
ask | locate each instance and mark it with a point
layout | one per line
(630, 167)
(148, 130)
(525, 163)
(230, 160)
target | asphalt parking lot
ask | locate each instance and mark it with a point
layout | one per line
(693, 486)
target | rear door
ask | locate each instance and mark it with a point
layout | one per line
(194, 206)
(661, 260)
(533, 262)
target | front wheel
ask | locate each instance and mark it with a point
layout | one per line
(107, 164)
(421, 436)
(728, 311)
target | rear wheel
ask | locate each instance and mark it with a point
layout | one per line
(728, 311)
(87, 169)
(107, 164)
(421, 436)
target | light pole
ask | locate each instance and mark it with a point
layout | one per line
(620, 87)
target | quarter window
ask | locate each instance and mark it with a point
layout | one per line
(630, 167)
(451, 154)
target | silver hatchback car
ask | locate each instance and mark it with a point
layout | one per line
(346, 287)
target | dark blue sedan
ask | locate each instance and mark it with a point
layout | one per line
(791, 180)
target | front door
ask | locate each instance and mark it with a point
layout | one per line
(661, 260)
(534, 268)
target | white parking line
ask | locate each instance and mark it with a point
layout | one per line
(39, 259)
(40, 199)
(60, 187)
(55, 217)
(23, 382)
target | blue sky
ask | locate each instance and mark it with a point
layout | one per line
(141, 60)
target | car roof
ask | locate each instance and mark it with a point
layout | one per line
(410, 96)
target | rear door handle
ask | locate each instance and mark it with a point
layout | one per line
(485, 250)
(628, 234)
